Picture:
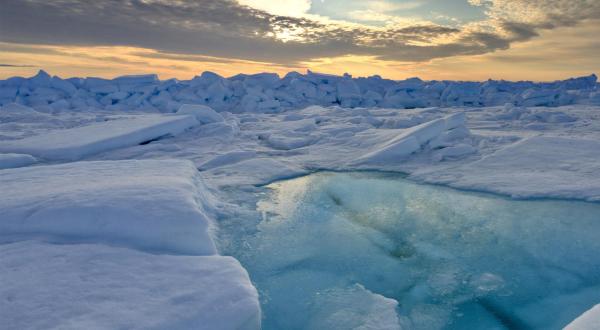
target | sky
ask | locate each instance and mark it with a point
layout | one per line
(433, 39)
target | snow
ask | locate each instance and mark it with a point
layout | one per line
(153, 205)
(537, 166)
(588, 320)
(203, 114)
(183, 185)
(87, 286)
(76, 143)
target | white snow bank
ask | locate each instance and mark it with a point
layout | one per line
(550, 166)
(156, 205)
(203, 114)
(15, 160)
(79, 142)
(586, 321)
(413, 139)
(87, 286)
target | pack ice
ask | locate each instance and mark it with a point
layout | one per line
(119, 195)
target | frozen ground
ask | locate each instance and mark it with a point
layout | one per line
(172, 187)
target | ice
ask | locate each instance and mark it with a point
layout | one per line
(354, 308)
(268, 93)
(18, 113)
(86, 286)
(550, 167)
(413, 139)
(76, 143)
(588, 320)
(154, 205)
(456, 151)
(15, 160)
(450, 259)
(203, 114)
(418, 257)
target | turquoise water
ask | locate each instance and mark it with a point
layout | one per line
(329, 249)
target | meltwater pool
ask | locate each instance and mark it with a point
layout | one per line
(376, 251)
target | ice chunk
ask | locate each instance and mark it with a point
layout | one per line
(203, 113)
(86, 286)
(282, 142)
(227, 158)
(79, 142)
(459, 150)
(157, 205)
(348, 93)
(586, 321)
(19, 113)
(412, 139)
(551, 167)
(354, 308)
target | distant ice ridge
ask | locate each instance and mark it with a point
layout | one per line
(267, 92)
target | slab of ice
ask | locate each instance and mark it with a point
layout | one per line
(155, 205)
(79, 142)
(588, 320)
(203, 113)
(87, 286)
(15, 160)
(550, 167)
(17, 113)
(413, 139)
(255, 171)
(354, 308)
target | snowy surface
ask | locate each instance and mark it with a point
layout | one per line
(75, 143)
(230, 136)
(565, 164)
(83, 286)
(138, 204)
(588, 320)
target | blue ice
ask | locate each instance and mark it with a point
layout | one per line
(334, 250)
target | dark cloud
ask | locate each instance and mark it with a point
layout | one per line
(15, 65)
(223, 28)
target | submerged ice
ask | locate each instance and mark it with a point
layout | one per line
(365, 250)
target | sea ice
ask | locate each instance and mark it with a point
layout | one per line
(450, 259)
(88, 286)
(153, 205)
(76, 143)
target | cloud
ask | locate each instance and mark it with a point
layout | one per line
(15, 65)
(294, 8)
(235, 30)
